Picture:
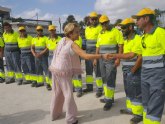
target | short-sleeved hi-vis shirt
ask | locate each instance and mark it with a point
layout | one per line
(153, 43)
(25, 42)
(79, 42)
(1, 42)
(39, 41)
(111, 37)
(132, 45)
(52, 43)
(91, 33)
(10, 37)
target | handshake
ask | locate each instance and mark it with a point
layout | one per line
(108, 56)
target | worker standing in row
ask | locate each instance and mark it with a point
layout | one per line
(40, 52)
(2, 73)
(12, 55)
(153, 67)
(27, 59)
(131, 71)
(91, 34)
(51, 44)
(109, 40)
(77, 79)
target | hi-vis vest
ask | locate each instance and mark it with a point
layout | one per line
(10, 39)
(1, 42)
(52, 44)
(130, 46)
(91, 35)
(108, 41)
(79, 42)
(25, 44)
(39, 43)
(153, 48)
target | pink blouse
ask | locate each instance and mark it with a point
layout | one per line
(65, 61)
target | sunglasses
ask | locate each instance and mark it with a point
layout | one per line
(104, 23)
(124, 27)
(143, 43)
(22, 31)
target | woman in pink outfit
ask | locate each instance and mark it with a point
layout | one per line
(65, 64)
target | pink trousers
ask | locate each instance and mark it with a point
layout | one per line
(62, 90)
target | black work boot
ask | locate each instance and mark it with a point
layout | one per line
(102, 101)
(9, 81)
(136, 119)
(125, 111)
(48, 87)
(99, 94)
(79, 94)
(107, 106)
(89, 88)
(2, 80)
(26, 82)
(34, 83)
(39, 84)
(19, 82)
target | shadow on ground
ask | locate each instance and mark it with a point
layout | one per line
(26, 117)
(97, 114)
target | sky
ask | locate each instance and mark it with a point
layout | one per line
(53, 9)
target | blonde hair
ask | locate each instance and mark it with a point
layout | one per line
(69, 28)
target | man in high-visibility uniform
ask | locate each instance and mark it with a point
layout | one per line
(27, 59)
(77, 79)
(109, 40)
(91, 34)
(40, 52)
(51, 44)
(12, 55)
(2, 73)
(131, 71)
(153, 66)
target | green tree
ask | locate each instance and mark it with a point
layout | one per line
(69, 19)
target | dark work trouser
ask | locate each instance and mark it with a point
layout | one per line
(41, 65)
(28, 66)
(153, 94)
(132, 86)
(108, 73)
(89, 71)
(2, 73)
(77, 82)
(13, 65)
(50, 57)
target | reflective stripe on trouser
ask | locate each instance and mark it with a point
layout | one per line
(108, 73)
(150, 120)
(128, 104)
(153, 94)
(2, 73)
(77, 82)
(41, 65)
(28, 66)
(50, 57)
(13, 65)
(132, 86)
(90, 68)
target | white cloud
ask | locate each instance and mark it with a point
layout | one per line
(116, 9)
(29, 14)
